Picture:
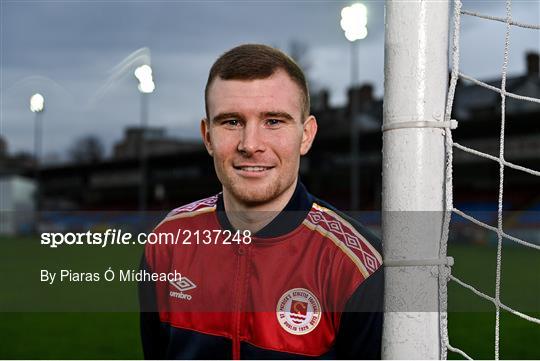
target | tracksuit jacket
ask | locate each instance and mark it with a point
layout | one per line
(308, 285)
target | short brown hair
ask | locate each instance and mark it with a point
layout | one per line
(257, 61)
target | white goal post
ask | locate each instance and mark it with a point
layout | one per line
(415, 86)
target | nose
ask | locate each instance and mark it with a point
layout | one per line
(252, 139)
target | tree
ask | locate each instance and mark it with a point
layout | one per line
(299, 51)
(87, 149)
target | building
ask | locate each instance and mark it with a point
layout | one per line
(478, 111)
(16, 204)
(156, 143)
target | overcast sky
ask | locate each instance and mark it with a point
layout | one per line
(80, 55)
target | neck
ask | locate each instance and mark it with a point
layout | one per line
(254, 217)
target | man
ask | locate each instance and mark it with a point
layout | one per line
(268, 270)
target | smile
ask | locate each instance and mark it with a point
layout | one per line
(253, 168)
(252, 171)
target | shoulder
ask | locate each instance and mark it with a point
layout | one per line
(197, 206)
(192, 209)
(354, 241)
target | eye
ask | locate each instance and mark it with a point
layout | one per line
(231, 123)
(273, 122)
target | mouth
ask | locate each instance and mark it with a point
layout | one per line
(253, 168)
(252, 171)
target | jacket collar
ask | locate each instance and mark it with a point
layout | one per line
(286, 221)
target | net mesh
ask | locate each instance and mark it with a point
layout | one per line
(445, 274)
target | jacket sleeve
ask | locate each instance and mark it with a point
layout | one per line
(153, 336)
(360, 331)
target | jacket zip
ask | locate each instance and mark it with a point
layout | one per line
(239, 296)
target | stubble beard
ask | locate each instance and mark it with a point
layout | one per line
(253, 195)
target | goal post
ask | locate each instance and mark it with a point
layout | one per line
(415, 87)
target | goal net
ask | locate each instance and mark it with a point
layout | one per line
(418, 190)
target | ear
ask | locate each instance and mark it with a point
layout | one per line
(205, 134)
(308, 135)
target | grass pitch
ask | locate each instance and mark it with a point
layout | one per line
(115, 335)
(471, 322)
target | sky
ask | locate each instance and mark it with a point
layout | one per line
(81, 55)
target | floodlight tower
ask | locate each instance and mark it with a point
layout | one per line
(354, 24)
(146, 86)
(37, 105)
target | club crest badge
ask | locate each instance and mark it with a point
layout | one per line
(298, 311)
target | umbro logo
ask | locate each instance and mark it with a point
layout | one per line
(182, 285)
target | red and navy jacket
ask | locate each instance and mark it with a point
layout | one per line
(308, 285)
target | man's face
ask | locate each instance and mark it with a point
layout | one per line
(256, 135)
